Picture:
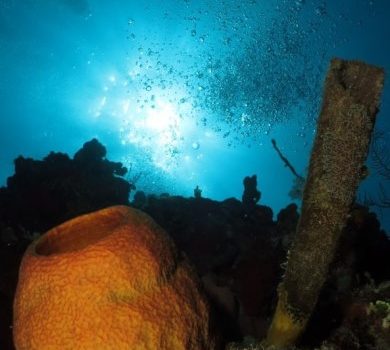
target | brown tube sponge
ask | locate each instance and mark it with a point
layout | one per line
(350, 105)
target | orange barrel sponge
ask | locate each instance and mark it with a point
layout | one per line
(111, 279)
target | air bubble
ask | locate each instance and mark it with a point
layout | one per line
(320, 10)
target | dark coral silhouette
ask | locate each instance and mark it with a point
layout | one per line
(197, 192)
(44, 193)
(251, 195)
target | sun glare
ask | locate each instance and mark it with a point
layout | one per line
(150, 119)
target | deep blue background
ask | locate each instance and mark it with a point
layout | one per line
(186, 92)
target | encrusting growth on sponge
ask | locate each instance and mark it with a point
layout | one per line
(350, 104)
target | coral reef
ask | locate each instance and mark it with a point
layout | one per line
(43, 193)
(241, 259)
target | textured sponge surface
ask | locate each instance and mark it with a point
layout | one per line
(108, 280)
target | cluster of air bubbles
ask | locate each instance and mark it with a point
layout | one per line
(299, 3)
(246, 75)
(321, 10)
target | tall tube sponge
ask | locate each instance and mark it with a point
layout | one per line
(350, 104)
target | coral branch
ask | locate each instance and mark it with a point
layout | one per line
(285, 160)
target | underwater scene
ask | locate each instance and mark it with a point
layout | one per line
(194, 174)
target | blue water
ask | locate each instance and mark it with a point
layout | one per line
(184, 93)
